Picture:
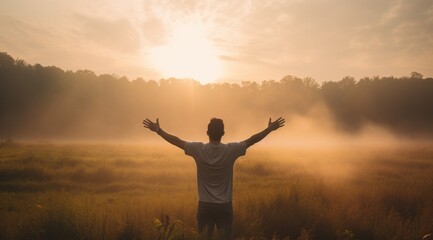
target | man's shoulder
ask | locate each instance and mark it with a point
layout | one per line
(192, 147)
(194, 144)
(240, 147)
(241, 143)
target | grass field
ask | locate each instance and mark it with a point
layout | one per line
(89, 191)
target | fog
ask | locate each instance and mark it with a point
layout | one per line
(40, 103)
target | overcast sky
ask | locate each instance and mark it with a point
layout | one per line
(251, 40)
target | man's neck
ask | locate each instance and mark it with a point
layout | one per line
(214, 142)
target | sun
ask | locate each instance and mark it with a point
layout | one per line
(188, 54)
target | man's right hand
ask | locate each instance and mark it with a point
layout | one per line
(153, 126)
(276, 124)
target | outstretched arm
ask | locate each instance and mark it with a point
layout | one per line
(154, 126)
(272, 126)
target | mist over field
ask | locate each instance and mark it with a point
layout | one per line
(48, 103)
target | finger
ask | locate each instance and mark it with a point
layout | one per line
(279, 119)
(269, 121)
(150, 120)
(157, 121)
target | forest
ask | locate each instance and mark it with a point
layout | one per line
(46, 102)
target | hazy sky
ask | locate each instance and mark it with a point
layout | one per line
(225, 40)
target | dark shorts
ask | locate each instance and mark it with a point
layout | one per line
(220, 215)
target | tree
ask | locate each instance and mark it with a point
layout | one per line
(416, 75)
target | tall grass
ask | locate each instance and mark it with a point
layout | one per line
(119, 191)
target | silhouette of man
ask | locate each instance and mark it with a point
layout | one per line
(214, 162)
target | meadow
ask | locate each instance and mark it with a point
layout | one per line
(120, 191)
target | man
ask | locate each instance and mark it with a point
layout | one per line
(214, 162)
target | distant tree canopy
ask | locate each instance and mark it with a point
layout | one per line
(48, 102)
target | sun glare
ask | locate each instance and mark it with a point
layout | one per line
(188, 54)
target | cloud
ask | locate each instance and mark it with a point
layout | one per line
(107, 51)
(154, 31)
(118, 35)
(257, 40)
(330, 39)
(401, 41)
(23, 36)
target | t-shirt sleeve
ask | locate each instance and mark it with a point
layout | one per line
(239, 148)
(191, 148)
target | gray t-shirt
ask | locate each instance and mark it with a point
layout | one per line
(215, 169)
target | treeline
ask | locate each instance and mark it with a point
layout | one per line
(48, 102)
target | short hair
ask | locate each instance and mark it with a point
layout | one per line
(215, 129)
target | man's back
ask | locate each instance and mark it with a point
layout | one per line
(214, 171)
(215, 168)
